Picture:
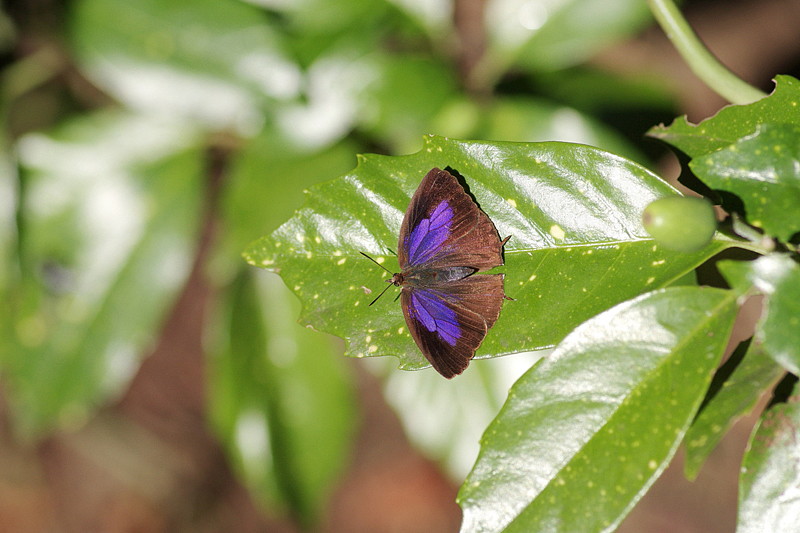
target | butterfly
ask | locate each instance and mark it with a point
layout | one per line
(445, 238)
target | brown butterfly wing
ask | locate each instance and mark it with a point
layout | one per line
(467, 307)
(472, 240)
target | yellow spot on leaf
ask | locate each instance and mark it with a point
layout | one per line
(557, 232)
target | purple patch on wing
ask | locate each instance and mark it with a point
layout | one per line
(437, 317)
(428, 236)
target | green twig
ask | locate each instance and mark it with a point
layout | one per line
(700, 60)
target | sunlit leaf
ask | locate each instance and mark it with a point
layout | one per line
(732, 395)
(111, 210)
(215, 62)
(287, 443)
(547, 36)
(777, 277)
(763, 170)
(402, 99)
(770, 478)
(734, 122)
(8, 196)
(577, 246)
(281, 399)
(528, 120)
(588, 429)
(445, 419)
(266, 183)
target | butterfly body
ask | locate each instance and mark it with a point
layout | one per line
(430, 277)
(445, 241)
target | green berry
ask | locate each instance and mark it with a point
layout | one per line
(680, 223)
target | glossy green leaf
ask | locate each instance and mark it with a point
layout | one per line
(770, 477)
(737, 386)
(281, 399)
(734, 122)
(763, 170)
(587, 430)
(112, 203)
(577, 246)
(777, 277)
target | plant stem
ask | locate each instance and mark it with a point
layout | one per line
(699, 58)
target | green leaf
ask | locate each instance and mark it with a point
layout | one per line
(587, 430)
(610, 94)
(287, 444)
(112, 204)
(326, 21)
(777, 277)
(734, 122)
(406, 92)
(577, 245)
(737, 386)
(763, 170)
(445, 419)
(770, 478)
(528, 119)
(281, 400)
(216, 62)
(8, 207)
(267, 179)
(552, 36)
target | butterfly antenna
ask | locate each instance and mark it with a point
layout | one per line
(374, 261)
(381, 294)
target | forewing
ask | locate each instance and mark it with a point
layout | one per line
(444, 227)
(449, 322)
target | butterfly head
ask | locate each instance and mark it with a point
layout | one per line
(397, 279)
